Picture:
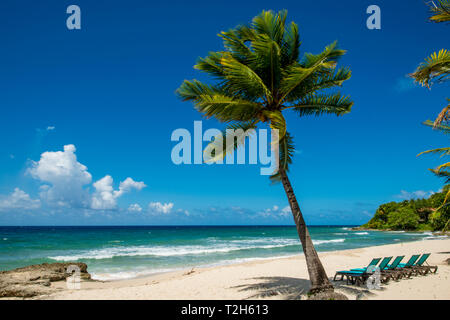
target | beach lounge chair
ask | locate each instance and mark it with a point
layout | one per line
(393, 269)
(406, 268)
(420, 268)
(360, 277)
(374, 262)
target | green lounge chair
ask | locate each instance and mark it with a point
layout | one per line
(420, 268)
(393, 268)
(410, 262)
(406, 268)
(360, 277)
(374, 262)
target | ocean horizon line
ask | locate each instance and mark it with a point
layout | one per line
(177, 226)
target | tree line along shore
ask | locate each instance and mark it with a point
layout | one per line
(428, 214)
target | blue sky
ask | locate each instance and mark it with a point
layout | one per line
(106, 92)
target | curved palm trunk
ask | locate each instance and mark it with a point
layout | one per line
(317, 275)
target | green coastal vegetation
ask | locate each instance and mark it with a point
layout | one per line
(414, 214)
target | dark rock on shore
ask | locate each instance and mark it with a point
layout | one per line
(36, 279)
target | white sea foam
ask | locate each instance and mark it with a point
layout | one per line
(167, 251)
(120, 275)
(361, 233)
(435, 237)
(163, 251)
(317, 242)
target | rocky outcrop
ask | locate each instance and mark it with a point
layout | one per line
(36, 279)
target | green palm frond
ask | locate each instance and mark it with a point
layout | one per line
(440, 127)
(267, 61)
(441, 151)
(290, 50)
(312, 65)
(435, 68)
(270, 24)
(236, 46)
(223, 148)
(287, 149)
(443, 167)
(323, 104)
(328, 56)
(211, 65)
(443, 116)
(318, 83)
(277, 121)
(242, 78)
(440, 10)
(211, 102)
(442, 173)
(246, 33)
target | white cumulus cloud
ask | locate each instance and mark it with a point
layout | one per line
(419, 194)
(66, 182)
(135, 207)
(160, 207)
(105, 197)
(64, 175)
(286, 211)
(19, 200)
(276, 212)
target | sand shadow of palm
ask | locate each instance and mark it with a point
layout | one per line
(360, 292)
(285, 287)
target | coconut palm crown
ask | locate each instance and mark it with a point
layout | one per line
(258, 77)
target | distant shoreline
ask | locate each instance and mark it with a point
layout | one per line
(360, 228)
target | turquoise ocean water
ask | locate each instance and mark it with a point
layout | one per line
(126, 252)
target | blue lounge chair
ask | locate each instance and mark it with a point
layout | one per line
(406, 268)
(374, 262)
(359, 277)
(410, 262)
(420, 268)
(393, 269)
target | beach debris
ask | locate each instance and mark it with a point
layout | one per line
(189, 272)
(36, 279)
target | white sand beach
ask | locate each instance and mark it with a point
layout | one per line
(281, 278)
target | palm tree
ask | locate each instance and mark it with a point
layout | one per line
(440, 10)
(442, 171)
(436, 68)
(259, 76)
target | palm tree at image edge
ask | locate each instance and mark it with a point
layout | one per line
(259, 76)
(436, 69)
